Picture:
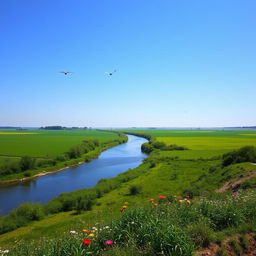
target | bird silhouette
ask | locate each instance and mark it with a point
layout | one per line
(65, 72)
(110, 73)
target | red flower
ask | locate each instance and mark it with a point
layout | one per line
(162, 197)
(151, 200)
(180, 197)
(86, 241)
(187, 196)
(155, 205)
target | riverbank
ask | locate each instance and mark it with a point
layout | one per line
(85, 158)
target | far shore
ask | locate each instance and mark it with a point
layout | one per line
(39, 174)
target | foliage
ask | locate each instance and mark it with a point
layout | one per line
(134, 190)
(244, 154)
(172, 228)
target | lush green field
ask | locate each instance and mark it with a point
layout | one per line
(46, 143)
(202, 143)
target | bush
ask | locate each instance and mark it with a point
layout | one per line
(83, 204)
(134, 189)
(27, 162)
(244, 154)
(29, 211)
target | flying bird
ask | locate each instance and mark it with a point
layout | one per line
(65, 72)
(110, 73)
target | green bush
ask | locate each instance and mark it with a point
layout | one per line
(29, 211)
(134, 189)
(244, 154)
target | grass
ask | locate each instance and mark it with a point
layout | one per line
(45, 143)
(172, 228)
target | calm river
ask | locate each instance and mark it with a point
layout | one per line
(109, 164)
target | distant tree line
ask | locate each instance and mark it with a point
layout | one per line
(151, 146)
(58, 127)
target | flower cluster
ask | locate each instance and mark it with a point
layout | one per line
(3, 252)
(124, 207)
(183, 200)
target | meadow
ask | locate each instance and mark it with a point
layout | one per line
(46, 143)
(171, 227)
(202, 143)
(26, 153)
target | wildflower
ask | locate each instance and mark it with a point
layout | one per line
(124, 203)
(107, 227)
(88, 231)
(181, 201)
(122, 209)
(188, 202)
(125, 206)
(86, 241)
(108, 242)
(4, 252)
(72, 232)
(94, 228)
(151, 200)
(162, 197)
(91, 235)
(180, 197)
(187, 196)
(155, 205)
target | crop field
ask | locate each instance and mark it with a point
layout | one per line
(203, 143)
(45, 143)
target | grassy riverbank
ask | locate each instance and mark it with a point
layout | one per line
(193, 175)
(60, 156)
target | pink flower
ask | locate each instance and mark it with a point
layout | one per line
(108, 242)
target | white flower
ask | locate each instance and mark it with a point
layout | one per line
(72, 232)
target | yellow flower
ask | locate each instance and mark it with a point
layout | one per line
(91, 235)
(125, 206)
(181, 201)
(126, 203)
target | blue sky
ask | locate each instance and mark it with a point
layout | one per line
(180, 63)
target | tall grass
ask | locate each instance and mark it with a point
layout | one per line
(174, 227)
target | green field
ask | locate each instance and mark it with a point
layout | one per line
(46, 143)
(202, 143)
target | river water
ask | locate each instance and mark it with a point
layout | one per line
(109, 164)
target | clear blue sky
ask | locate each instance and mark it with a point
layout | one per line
(180, 63)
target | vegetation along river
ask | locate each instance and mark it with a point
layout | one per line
(109, 164)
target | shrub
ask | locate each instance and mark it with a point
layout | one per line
(27, 162)
(244, 154)
(134, 189)
(29, 211)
